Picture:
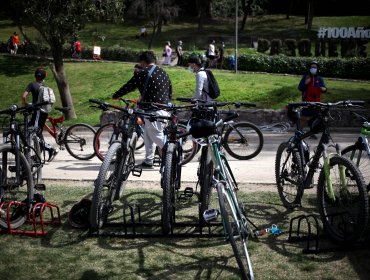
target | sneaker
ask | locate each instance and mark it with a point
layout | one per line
(146, 165)
(52, 154)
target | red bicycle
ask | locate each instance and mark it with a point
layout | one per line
(77, 139)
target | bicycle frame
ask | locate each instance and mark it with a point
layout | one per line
(56, 129)
(296, 142)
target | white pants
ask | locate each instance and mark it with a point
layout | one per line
(153, 136)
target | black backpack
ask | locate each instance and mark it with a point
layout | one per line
(214, 90)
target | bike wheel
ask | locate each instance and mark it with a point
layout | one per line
(79, 141)
(189, 147)
(205, 182)
(345, 216)
(243, 140)
(103, 138)
(168, 186)
(34, 159)
(360, 158)
(236, 231)
(289, 176)
(106, 187)
(13, 190)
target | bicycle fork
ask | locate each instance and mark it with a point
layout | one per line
(341, 169)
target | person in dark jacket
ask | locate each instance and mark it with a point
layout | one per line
(154, 85)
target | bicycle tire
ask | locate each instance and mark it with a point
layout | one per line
(358, 155)
(103, 138)
(205, 182)
(10, 191)
(168, 186)
(79, 141)
(346, 218)
(189, 147)
(289, 176)
(243, 141)
(105, 187)
(125, 167)
(235, 234)
(35, 159)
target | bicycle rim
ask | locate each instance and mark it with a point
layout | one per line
(346, 216)
(236, 232)
(11, 190)
(358, 155)
(79, 141)
(168, 185)
(289, 176)
(243, 141)
(105, 187)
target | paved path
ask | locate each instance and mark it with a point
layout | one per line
(251, 174)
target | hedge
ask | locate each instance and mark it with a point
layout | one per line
(347, 68)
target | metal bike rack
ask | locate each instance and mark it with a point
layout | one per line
(133, 225)
(35, 218)
(313, 236)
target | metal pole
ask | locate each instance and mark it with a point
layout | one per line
(236, 35)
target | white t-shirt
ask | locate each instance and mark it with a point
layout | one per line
(201, 87)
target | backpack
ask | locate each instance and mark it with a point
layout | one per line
(46, 94)
(214, 90)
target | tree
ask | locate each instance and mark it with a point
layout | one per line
(155, 11)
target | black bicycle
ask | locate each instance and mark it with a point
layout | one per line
(341, 192)
(21, 166)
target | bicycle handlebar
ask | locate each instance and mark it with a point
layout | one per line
(28, 108)
(215, 103)
(345, 103)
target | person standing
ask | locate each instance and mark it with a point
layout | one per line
(77, 49)
(15, 43)
(179, 53)
(211, 53)
(168, 50)
(154, 85)
(195, 64)
(221, 53)
(311, 86)
(38, 118)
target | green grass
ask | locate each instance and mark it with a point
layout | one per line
(67, 253)
(100, 80)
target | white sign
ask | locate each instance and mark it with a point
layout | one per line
(343, 33)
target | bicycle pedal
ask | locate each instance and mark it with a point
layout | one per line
(211, 215)
(188, 193)
(157, 161)
(136, 171)
(40, 187)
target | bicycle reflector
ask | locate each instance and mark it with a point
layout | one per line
(78, 216)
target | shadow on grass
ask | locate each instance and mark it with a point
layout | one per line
(14, 66)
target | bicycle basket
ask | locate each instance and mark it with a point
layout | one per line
(201, 128)
(316, 124)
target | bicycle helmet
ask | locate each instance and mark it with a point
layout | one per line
(78, 216)
(40, 73)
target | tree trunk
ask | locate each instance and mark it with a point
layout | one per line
(310, 14)
(159, 25)
(62, 82)
(247, 8)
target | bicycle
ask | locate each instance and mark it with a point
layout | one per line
(76, 138)
(21, 165)
(172, 157)
(359, 152)
(241, 140)
(234, 221)
(116, 167)
(105, 135)
(341, 193)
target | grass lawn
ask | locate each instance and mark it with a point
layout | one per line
(101, 80)
(67, 253)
